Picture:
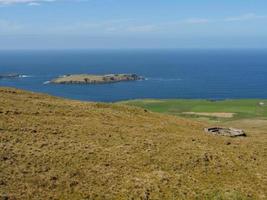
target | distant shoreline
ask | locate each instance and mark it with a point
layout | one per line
(10, 75)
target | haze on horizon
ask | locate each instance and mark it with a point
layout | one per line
(70, 24)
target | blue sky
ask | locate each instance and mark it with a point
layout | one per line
(45, 24)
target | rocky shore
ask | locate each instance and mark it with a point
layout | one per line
(13, 75)
(95, 79)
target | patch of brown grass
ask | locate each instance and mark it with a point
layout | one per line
(213, 114)
(53, 148)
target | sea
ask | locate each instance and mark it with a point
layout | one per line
(213, 74)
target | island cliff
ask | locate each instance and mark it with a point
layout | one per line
(95, 79)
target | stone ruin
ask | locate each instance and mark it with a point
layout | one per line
(231, 132)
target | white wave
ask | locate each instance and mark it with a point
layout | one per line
(24, 76)
(46, 82)
(164, 79)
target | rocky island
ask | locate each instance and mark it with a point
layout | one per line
(95, 79)
(13, 75)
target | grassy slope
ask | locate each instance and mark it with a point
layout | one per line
(62, 149)
(244, 108)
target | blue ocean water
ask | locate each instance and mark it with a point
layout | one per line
(180, 73)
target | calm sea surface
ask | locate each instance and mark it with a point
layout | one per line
(208, 74)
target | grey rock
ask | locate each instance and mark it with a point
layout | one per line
(231, 132)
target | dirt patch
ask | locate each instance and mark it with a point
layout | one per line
(215, 114)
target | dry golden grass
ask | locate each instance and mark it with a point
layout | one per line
(53, 148)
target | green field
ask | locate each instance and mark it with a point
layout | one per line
(241, 108)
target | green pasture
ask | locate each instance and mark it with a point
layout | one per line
(243, 108)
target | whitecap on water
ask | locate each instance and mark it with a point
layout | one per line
(24, 76)
(163, 79)
(46, 82)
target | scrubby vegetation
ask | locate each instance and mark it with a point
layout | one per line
(53, 148)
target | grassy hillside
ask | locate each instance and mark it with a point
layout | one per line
(241, 109)
(53, 148)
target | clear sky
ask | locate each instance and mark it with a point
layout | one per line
(45, 24)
